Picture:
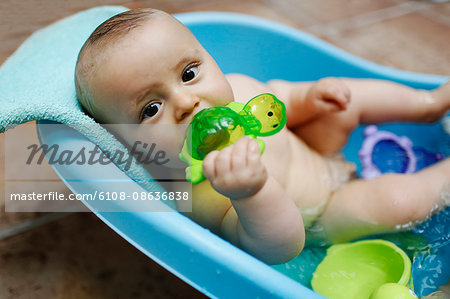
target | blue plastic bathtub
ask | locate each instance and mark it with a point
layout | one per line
(263, 50)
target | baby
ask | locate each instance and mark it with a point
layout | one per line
(145, 67)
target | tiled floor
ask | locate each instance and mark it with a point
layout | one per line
(79, 257)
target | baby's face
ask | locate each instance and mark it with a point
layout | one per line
(158, 75)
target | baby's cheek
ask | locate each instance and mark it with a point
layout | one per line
(222, 92)
(172, 151)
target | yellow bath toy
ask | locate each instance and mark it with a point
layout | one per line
(356, 270)
(394, 291)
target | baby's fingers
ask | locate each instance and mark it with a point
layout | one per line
(253, 154)
(209, 165)
(334, 93)
(239, 158)
(223, 161)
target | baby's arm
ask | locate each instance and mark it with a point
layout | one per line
(263, 220)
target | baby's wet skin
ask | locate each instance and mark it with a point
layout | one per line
(253, 201)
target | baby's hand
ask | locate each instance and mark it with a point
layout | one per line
(328, 95)
(237, 170)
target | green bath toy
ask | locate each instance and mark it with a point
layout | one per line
(364, 269)
(218, 127)
(393, 290)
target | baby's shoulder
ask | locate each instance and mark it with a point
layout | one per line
(245, 87)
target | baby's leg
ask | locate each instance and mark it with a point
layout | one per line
(383, 204)
(372, 102)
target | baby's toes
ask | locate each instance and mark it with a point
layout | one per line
(338, 92)
(346, 93)
(443, 94)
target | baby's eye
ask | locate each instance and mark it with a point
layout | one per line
(190, 73)
(151, 110)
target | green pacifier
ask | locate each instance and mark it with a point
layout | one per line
(374, 269)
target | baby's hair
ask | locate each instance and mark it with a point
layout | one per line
(94, 49)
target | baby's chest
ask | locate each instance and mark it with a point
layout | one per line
(299, 169)
(277, 156)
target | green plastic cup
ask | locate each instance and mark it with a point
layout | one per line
(356, 270)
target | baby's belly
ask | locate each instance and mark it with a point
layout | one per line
(300, 170)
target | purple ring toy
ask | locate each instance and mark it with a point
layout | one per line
(372, 137)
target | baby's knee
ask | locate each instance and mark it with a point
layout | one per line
(406, 203)
(402, 209)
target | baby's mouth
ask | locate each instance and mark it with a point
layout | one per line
(196, 110)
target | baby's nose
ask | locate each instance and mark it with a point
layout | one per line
(185, 105)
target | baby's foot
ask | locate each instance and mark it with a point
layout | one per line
(328, 95)
(446, 124)
(442, 97)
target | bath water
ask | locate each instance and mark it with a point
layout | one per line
(427, 245)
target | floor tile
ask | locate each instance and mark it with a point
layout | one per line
(19, 19)
(439, 12)
(10, 222)
(442, 8)
(252, 7)
(326, 11)
(410, 42)
(80, 257)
